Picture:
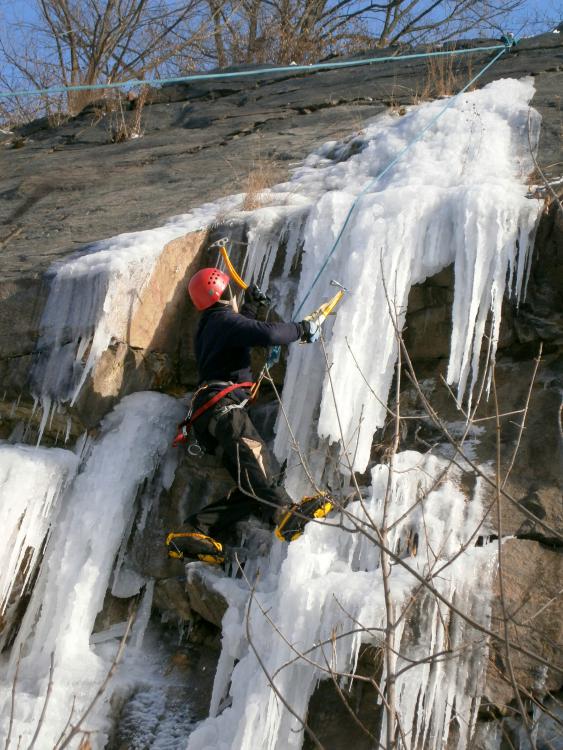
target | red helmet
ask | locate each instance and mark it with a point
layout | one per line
(207, 286)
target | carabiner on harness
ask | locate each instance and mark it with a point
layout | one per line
(195, 449)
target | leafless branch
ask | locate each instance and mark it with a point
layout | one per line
(77, 728)
(13, 699)
(46, 702)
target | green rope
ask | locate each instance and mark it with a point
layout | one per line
(242, 73)
(391, 164)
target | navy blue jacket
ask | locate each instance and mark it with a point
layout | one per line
(224, 338)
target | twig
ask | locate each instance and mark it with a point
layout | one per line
(501, 574)
(440, 424)
(524, 415)
(66, 726)
(303, 723)
(540, 170)
(345, 703)
(45, 704)
(77, 727)
(13, 700)
(428, 585)
(11, 236)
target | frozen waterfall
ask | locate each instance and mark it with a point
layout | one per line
(458, 197)
(330, 584)
(77, 566)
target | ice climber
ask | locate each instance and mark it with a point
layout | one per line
(221, 424)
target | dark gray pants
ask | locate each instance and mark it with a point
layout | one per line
(246, 457)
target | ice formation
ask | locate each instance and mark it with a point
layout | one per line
(92, 297)
(31, 485)
(458, 197)
(77, 568)
(330, 582)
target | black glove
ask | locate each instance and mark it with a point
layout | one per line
(309, 331)
(255, 296)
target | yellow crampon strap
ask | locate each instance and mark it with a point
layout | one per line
(325, 505)
(217, 559)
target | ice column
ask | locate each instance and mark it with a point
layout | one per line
(92, 297)
(78, 563)
(458, 197)
(329, 582)
(32, 481)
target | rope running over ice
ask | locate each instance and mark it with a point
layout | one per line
(274, 354)
(391, 164)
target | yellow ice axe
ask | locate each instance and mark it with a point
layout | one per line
(318, 316)
(222, 246)
(323, 311)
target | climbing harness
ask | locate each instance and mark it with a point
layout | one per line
(186, 425)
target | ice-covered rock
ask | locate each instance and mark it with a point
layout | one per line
(32, 482)
(76, 571)
(330, 584)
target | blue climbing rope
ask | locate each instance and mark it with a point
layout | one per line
(391, 164)
(243, 73)
(509, 41)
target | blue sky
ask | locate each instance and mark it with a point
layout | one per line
(528, 20)
(22, 9)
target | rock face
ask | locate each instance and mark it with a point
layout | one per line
(156, 352)
(191, 132)
(533, 606)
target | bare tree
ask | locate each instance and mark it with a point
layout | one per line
(301, 31)
(84, 42)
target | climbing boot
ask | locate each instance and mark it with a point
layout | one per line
(298, 516)
(191, 545)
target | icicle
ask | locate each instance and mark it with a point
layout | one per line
(433, 209)
(32, 482)
(143, 616)
(78, 562)
(321, 587)
(92, 297)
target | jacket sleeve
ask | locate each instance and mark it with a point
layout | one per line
(248, 332)
(249, 310)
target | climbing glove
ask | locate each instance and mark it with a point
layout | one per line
(255, 296)
(310, 331)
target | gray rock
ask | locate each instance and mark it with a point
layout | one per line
(202, 596)
(191, 132)
(534, 609)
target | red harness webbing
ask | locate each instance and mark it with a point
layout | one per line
(182, 436)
